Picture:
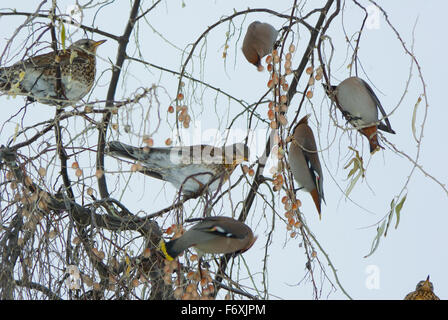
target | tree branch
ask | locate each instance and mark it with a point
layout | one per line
(121, 55)
(259, 178)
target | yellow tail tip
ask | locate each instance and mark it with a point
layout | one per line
(378, 148)
(162, 248)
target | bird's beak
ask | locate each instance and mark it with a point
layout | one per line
(96, 44)
(427, 281)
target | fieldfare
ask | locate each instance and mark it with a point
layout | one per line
(423, 291)
(259, 41)
(359, 105)
(36, 77)
(215, 235)
(191, 169)
(304, 162)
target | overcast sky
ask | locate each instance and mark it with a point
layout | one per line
(409, 253)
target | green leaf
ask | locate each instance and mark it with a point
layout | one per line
(389, 217)
(352, 185)
(357, 169)
(398, 210)
(349, 163)
(376, 241)
(63, 35)
(414, 116)
(16, 131)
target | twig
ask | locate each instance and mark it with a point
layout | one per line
(40, 15)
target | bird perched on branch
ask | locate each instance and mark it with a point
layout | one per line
(304, 162)
(258, 42)
(215, 235)
(423, 291)
(190, 169)
(360, 105)
(37, 79)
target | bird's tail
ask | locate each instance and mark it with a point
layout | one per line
(371, 134)
(123, 150)
(168, 250)
(317, 201)
(385, 127)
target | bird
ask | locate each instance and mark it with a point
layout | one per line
(190, 169)
(359, 104)
(258, 42)
(36, 77)
(214, 235)
(304, 162)
(423, 291)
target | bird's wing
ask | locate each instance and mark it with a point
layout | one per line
(384, 127)
(174, 164)
(217, 226)
(152, 158)
(47, 61)
(310, 159)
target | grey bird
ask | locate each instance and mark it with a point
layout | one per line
(190, 169)
(359, 105)
(304, 162)
(258, 42)
(215, 235)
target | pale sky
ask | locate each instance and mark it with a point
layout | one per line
(410, 252)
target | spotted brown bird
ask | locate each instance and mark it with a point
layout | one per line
(423, 291)
(190, 169)
(360, 105)
(215, 235)
(304, 162)
(36, 77)
(258, 42)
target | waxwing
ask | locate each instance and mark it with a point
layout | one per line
(304, 162)
(215, 235)
(360, 107)
(259, 42)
